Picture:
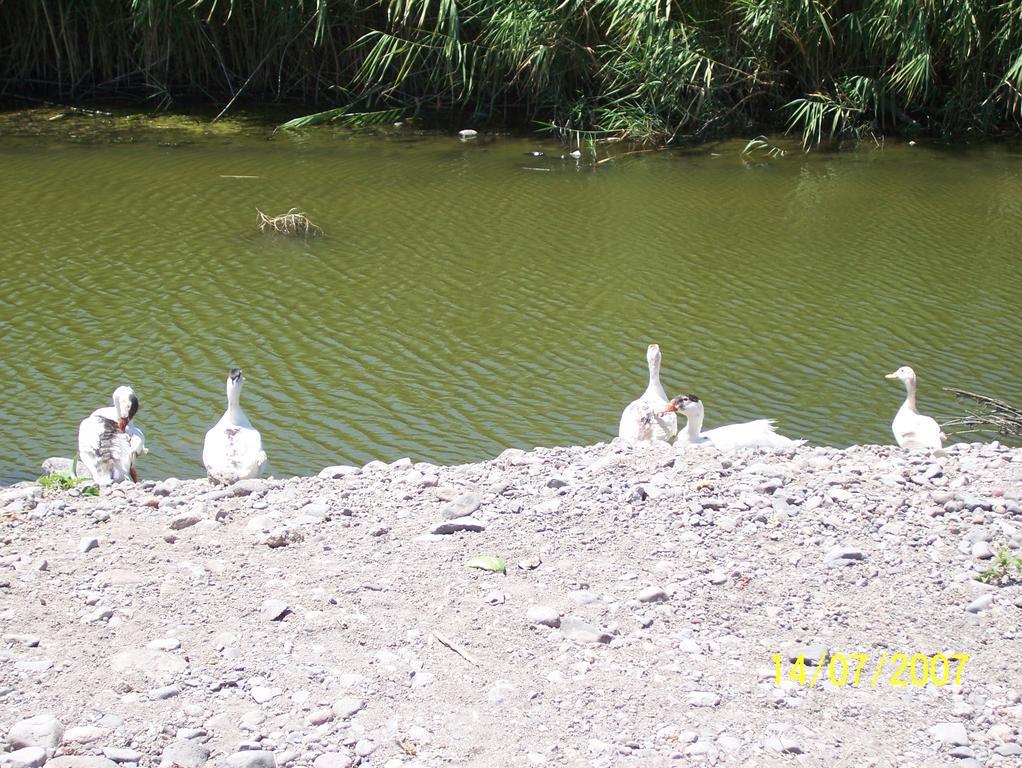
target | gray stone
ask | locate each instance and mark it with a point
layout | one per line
(39, 731)
(29, 641)
(333, 760)
(543, 614)
(26, 757)
(813, 655)
(273, 610)
(843, 555)
(462, 506)
(122, 754)
(80, 761)
(252, 759)
(347, 707)
(652, 594)
(338, 471)
(184, 520)
(364, 747)
(253, 486)
(981, 603)
(575, 629)
(151, 664)
(461, 524)
(184, 753)
(1008, 749)
(703, 699)
(33, 665)
(263, 694)
(166, 692)
(782, 743)
(950, 733)
(88, 544)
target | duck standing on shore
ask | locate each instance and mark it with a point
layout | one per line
(108, 443)
(644, 419)
(911, 429)
(750, 434)
(233, 449)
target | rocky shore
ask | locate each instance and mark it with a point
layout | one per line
(332, 621)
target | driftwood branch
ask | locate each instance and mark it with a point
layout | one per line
(292, 223)
(989, 414)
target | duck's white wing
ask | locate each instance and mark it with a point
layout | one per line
(232, 453)
(915, 431)
(750, 434)
(642, 421)
(104, 450)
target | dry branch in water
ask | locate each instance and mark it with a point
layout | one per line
(292, 223)
(990, 414)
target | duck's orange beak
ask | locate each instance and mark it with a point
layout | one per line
(671, 408)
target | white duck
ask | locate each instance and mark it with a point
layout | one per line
(912, 429)
(233, 450)
(750, 434)
(642, 420)
(108, 443)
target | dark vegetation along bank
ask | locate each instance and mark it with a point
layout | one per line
(653, 70)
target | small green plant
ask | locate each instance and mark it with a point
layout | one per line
(1001, 567)
(65, 481)
(761, 145)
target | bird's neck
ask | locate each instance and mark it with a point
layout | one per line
(910, 398)
(234, 412)
(694, 426)
(654, 386)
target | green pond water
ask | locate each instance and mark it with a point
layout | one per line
(468, 297)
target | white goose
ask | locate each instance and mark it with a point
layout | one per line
(912, 429)
(233, 450)
(750, 434)
(642, 420)
(108, 443)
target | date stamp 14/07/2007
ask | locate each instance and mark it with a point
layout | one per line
(901, 669)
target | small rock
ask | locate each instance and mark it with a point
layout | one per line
(981, 603)
(88, 544)
(184, 520)
(185, 754)
(950, 733)
(544, 615)
(703, 699)
(347, 707)
(652, 594)
(122, 754)
(338, 471)
(467, 134)
(39, 731)
(80, 761)
(574, 628)
(333, 760)
(461, 524)
(462, 506)
(843, 555)
(252, 759)
(273, 610)
(27, 757)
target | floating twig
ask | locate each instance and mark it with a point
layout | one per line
(292, 223)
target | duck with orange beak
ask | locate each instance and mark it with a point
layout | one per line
(749, 434)
(108, 443)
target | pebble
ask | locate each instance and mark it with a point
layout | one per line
(26, 757)
(461, 524)
(122, 754)
(273, 609)
(652, 595)
(544, 615)
(185, 754)
(981, 603)
(462, 506)
(347, 707)
(333, 760)
(88, 544)
(81, 761)
(950, 733)
(252, 758)
(40, 731)
(574, 628)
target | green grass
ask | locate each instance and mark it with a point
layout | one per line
(61, 481)
(655, 71)
(1001, 567)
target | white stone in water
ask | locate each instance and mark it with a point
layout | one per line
(467, 134)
